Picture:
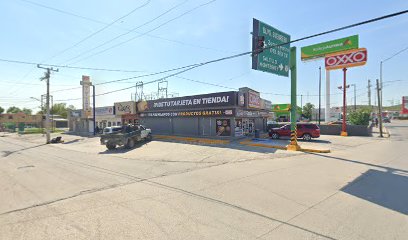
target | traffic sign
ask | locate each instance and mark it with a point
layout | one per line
(266, 57)
(346, 59)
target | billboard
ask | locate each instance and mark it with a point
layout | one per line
(322, 49)
(346, 59)
(125, 108)
(99, 111)
(254, 100)
(220, 99)
(404, 105)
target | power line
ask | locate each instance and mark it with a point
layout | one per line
(395, 54)
(129, 31)
(141, 35)
(122, 28)
(100, 30)
(69, 67)
(89, 36)
(193, 66)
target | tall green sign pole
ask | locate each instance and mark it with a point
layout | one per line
(293, 145)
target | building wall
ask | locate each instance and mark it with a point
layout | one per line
(187, 126)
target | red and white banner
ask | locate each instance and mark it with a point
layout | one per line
(346, 59)
(404, 107)
(254, 100)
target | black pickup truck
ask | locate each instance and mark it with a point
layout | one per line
(128, 137)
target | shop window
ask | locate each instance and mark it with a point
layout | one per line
(109, 124)
(119, 123)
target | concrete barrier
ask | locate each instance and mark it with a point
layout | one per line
(352, 130)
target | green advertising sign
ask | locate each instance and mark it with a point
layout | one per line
(275, 59)
(322, 49)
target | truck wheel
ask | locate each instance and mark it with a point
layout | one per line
(110, 146)
(130, 143)
(149, 137)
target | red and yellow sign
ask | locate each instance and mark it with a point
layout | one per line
(346, 59)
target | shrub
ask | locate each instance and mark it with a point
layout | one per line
(360, 117)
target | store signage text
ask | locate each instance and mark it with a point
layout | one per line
(198, 101)
(192, 113)
(346, 59)
(254, 100)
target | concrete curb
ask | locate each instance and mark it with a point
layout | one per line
(192, 140)
(250, 143)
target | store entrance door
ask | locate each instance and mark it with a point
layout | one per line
(248, 126)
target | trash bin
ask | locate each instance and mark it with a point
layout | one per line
(257, 133)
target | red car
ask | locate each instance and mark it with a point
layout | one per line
(307, 131)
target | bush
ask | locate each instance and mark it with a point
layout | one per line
(360, 117)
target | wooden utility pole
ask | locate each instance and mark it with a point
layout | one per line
(47, 101)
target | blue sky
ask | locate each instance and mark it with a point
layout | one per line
(220, 28)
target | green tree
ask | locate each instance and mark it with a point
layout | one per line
(61, 109)
(360, 117)
(13, 109)
(27, 111)
(308, 110)
(1, 110)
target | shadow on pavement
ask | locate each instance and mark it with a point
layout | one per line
(8, 153)
(233, 145)
(386, 189)
(122, 149)
(72, 141)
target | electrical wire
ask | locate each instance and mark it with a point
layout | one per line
(129, 31)
(395, 54)
(143, 34)
(101, 29)
(193, 66)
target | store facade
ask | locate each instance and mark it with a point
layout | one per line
(222, 114)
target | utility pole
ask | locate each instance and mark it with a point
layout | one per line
(47, 102)
(379, 107)
(320, 92)
(369, 93)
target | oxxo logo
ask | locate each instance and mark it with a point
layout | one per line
(356, 58)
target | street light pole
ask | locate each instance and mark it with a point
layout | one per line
(355, 106)
(320, 91)
(93, 109)
(344, 126)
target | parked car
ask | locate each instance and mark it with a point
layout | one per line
(114, 129)
(386, 120)
(128, 137)
(307, 131)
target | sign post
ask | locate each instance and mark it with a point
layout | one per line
(293, 145)
(344, 60)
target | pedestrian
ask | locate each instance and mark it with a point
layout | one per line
(97, 130)
(376, 122)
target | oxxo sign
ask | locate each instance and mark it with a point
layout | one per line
(346, 59)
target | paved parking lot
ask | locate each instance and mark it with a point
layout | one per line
(169, 190)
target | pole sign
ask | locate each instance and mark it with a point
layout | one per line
(346, 59)
(86, 96)
(322, 49)
(273, 59)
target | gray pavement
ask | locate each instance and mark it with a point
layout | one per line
(166, 190)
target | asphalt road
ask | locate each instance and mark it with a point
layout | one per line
(165, 190)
